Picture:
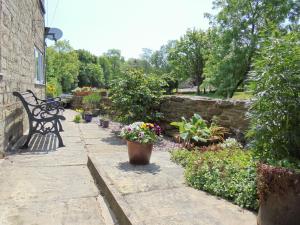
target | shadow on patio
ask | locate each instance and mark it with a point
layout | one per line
(39, 144)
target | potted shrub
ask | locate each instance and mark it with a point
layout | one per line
(140, 137)
(105, 121)
(90, 101)
(279, 195)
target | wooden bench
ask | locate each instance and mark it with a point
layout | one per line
(44, 117)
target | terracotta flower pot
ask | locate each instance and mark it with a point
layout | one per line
(139, 154)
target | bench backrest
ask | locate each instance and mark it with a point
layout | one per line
(28, 100)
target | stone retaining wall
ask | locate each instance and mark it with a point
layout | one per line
(21, 29)
(230, 113)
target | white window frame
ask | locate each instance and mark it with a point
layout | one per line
(39, 66)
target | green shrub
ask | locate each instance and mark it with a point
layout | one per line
(136, 96)
(91, 101)
(77, 118)
(183, 157)
(228, 173)
(196, 130)
(275, 114)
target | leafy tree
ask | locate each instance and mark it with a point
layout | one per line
(90, 72)
(275, 114)
(86, 57)
(160, 58)
(188, 56)
(62, 66)
(116, 61)
(234, 38)
(107, 69)
(90, 75)
(136, 96)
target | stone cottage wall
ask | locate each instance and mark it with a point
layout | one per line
(230, 113)
(21, 28)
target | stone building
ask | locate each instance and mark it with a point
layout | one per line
(22, 48)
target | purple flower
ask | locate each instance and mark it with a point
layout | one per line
(141, 134)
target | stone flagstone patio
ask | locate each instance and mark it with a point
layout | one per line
(56, 186)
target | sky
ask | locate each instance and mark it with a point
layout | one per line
(128, 25)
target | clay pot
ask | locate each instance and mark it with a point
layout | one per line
(281, 208)
(105, 123)
(139, 154)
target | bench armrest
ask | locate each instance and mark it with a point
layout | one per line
(43, 111)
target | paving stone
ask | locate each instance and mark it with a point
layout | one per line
(74, 211)
(156, 193)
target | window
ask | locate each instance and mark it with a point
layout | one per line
(39, 66)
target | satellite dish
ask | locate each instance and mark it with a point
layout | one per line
(53, 34)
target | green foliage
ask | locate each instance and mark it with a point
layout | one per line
(184, 157)
(90, 75)
(234, 37)
(136, 96)
(196, 131)
(90, 72)
(106, 68)
(116, 62)
(188, 56)
(77, 118)
(228, 173)
(193, 130)
(275, 114)
(91, 101)
(53, 88)
(62, 66)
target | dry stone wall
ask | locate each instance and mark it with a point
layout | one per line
(21, 29)
(230, 113)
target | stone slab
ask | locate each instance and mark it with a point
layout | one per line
(74, 211)
(156, 193)
(19, 184)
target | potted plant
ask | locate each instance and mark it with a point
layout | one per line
(90, 101)
(279, 195)
(105, 121)
(140, 137)
(88, 116)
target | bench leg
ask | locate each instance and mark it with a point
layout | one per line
(60, 141)
(60, 128)
(25, 145)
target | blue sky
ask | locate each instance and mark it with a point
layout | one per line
(128, 25)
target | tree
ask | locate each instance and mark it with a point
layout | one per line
(85, 56)
(136, 96)
(160, 58)
(275, 114)
(116, 61)
(90, 72)
(90, 75)
(188, 56)
(62, 66)
(234, 38)
(106, 68)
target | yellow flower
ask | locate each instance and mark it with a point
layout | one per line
(143, 125)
